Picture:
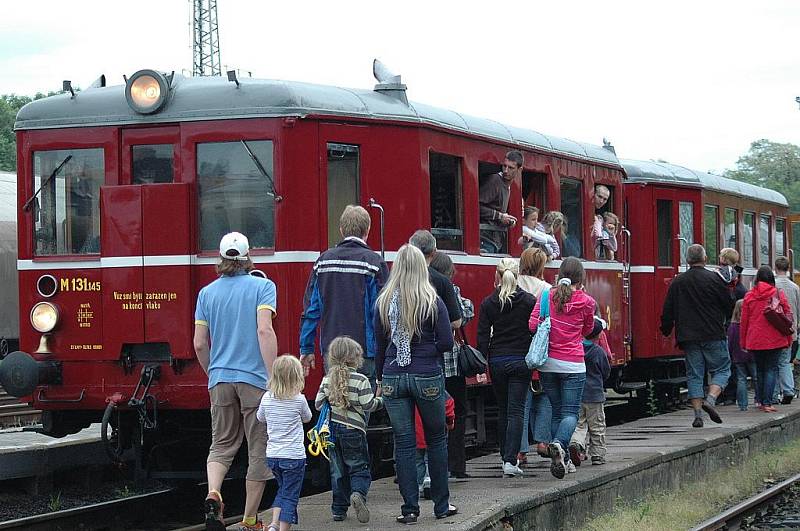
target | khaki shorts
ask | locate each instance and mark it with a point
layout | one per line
(233, 417)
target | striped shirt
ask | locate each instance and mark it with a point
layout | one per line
(284, 418)
(361, 399)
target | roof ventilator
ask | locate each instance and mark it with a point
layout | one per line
(389, 83)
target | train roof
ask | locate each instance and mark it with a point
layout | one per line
(206, 98)
(663, 172)
(8, 197)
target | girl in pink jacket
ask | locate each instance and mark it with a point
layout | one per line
(564, 372)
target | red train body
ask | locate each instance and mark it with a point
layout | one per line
(128, 232)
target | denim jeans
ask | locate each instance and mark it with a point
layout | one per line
(401, 392)
(564, 390)
(536, 420)
(706, 356)
(422, 466)
(456, 447)
(785, 383)
(767, 369)
(289, 474)
(511, 381)
(742, 371)
(349, 466)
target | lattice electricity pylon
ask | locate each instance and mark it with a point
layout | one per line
(206, 39)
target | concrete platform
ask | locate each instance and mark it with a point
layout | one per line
(650, 454)
(27, 454)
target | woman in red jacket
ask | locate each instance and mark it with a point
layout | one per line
(761, 338)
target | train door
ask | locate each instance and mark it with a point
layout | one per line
(146, 224)
(341, 168)
(794, 245)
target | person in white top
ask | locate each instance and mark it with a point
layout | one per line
(784, 283)
(285, 409)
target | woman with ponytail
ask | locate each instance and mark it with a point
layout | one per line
(564, 372)
(504, 337)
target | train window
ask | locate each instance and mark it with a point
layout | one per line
(152, 163)
(686, 227)
(235, 184)
(711, 230)
(446, 201)
(664, 228)
(572, 208)
(494, 238)
(729, 228)
(748, 258)
(533, 191)
(67, 209)
(780, 237)
(343, 185)
(764, 243)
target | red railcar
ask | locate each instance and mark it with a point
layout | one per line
(124, 192)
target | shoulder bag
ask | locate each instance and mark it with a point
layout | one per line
(537, 352)
(471, 361)
(775, 316)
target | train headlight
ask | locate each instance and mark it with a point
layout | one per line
(147, 91)
(44, 317)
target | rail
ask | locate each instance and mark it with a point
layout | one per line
(740, 510)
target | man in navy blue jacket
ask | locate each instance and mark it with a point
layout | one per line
(341, 292)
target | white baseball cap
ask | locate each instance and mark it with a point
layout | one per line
(234, 246)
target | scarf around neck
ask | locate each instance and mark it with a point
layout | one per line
(399, 335)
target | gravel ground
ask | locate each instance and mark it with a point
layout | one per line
(782, 513)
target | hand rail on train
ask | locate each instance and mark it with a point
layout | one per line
(375, 204)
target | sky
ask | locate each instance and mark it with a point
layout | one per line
(689, 82)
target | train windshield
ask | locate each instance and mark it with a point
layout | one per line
(67, 210)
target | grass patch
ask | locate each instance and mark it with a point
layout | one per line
(700, 500)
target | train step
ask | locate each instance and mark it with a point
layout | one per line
(626, 387)
(679, 380)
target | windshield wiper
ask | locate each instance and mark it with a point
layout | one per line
(263, 172)
(27, 205)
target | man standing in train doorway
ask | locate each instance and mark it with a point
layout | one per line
(698, 304)
(341, 293)
(235, 313)
(493, 198)
(600, 196)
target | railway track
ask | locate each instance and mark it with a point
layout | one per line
(13, 413)
(734, 517)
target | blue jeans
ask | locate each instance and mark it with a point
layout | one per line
(511, 381)
(742, 371)
(785, 384)
(767, 368)
(706, 356)
(401, 392)
(422, 466)
(349, 466)
(564, 390)
(289, 474)
(536, 420)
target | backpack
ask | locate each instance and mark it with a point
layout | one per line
(537, 352)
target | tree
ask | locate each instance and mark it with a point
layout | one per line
(10, 104)
(771, 165)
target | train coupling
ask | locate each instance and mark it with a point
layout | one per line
(20, 373)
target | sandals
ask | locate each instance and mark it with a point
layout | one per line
(214, 507)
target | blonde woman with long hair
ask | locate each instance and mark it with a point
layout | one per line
(350, 396)
(504, 338)
(412, 331)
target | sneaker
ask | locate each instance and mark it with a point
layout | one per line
(575, 453)
(459, 475)
(511, 470)
(598, 460)
(258, 526)
(571, 468)
(339, 517)
(214, 507)
(742, 408)
(712, 412)
(407, 519)
(557, 466)
(451, 511)
(522, 458)
(359, 503)
(542, 450)
(697, 423)
(787, 399)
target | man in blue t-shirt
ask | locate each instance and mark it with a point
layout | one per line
(235, 313)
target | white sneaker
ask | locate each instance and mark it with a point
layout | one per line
(571, 468)
(557, 466)
(511, 470)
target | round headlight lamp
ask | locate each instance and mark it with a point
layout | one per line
(44, 317)
(147, 91)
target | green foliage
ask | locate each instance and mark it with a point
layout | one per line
(771, 165)
(10, 104)
(54, 505)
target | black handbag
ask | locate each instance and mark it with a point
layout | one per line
(471, 361)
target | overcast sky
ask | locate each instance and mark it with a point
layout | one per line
(690, 82)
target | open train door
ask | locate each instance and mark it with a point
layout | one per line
(794, 245)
